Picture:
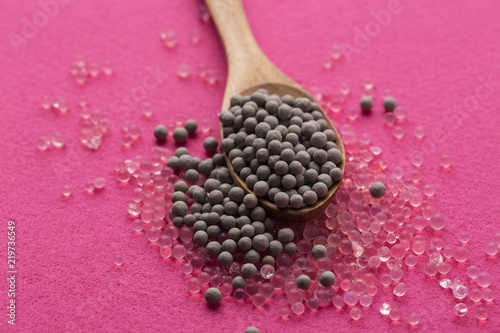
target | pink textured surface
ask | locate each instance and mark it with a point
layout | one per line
(433, 55)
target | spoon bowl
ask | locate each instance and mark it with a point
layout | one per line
(249, 70)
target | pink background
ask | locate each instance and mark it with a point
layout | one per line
(432, 55)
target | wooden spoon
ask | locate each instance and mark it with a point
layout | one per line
(248, 70)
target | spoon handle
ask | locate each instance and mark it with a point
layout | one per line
(248, 66)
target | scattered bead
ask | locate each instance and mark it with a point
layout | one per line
(395, 314)
(385, 308)
(419, 132)
(355, 313)
(413, 318)
(398, 132)
(183, 71)
(445, 161)
(481, 313)
(160, 133)
(484, 279)
(461, 254)
(213, 296)
(460, 309)
(366, 103)
(491, 248)
(66, 190)
(118, 260)
(42, 143)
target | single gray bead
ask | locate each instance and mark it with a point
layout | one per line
(308, 129)
(295, 129)
(259, 143)
(178, 222)
(227, 145)
(273, 135)
(252, 329)
(242, 220)
(192, 176)
(287, 155)
(215, 197)
(320, 156)
(291, 192)
(272, 106)
(179, 208)
(269, 260)
(258, 98)
(251, 181)
(296, 201)
(310, 197)
(274, 180)
(185, 162)
(300, 180)
(213, 231)
(303, 282)
(239, 282)
(336, 174)
(225, 188)
(286, 235)
(213, 249)
(213, 296)
(235, 100)
(261, 188)
(258, 214)
(213, 218)
(323, 124)
(262, 155)
(200, 196)
(261, 129)
(303, 157)
(303, 103)
(211, 184)
(327, 279)
(207, 208)
(231, 208)
(206, 167)
(281, 200)
(245, 172)
(226, 118)
(248, 271)
(377, 190)
(180, 134)
(318, 251)
(325, 179)
(335, 156)
(252, 257)
(196, 208)
(287, 145)
(330, 134)
(234, 234)
(272, 160)
(311, 176)
(178, 196)
(160, 133)
(219, 160)
(307, 117)
(274, 147)
(248, 111)
(292, 138)
(189, 220)
(314, 166)
(191, 126)
(318, 139)
(275, 248)
(366, 103)
(244, 244)
(288, 99)
(272, 121)
(173, 163)
(284, 112)
(254, 165)
(288, 181)
(281, 168)
(290, 248)
(389, 104)
(250, 201)
(264, 172)
(218, 209)
(259, 227)
(200, 237)
(249, 124)
(236, 194)
(247, 230)
(320, 189)
(303, 189)
(238, 164)
(260, 243)
(228, 222)
(210, 144)
(327, 166)
(229, 245)
(248, 154)
(268, 223)
(180, 186)
(272, 193)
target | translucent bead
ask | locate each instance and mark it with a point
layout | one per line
(169, 38)
(266, 289)
(488, 294)
(461, 254)
(460, 292)
(327, 62)
(417, 160)
(42, 143)
(368, 83)
(484, 279)
(99, 182)
(107, 68)
(127, 140)
(267, 271)
(411, 260)
(284, 312)
(444, 268)
(437, 222)
(137, 225)
(338, 302)
(166, 252)
(496, 238)
(413, 318)
(400, 290)
(133, 209)
(193, 285)
(66, 190)
(46, 102)
(365, 300)
(389, 118)
(123, 175)
(473, 272)
(491, 248)
(187, 268)
(476, 295)
(355, 313)
(298, 308)
(431, 268)
(419, 132)
(400, 113)
(445, 161)
(418, 247)
(429, 190)
(481, 313)
(183, 71)
(445, 283)
(147, 110)
(344, 88)
(258, 300)
(448, 252)
(385, 308)
(89, 187)
(419, 222)
(460, 309)
(118, 260)
(210, 77)
(464, 237)
(153, 234)
(336, 52)
(239, 294)
(179, 251)
(57, 140)
(351, 298)
(395, 314)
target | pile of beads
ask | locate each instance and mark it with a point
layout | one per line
(282, 147)
(57, 104)
(93, 127)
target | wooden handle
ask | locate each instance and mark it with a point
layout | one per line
(241, 48)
